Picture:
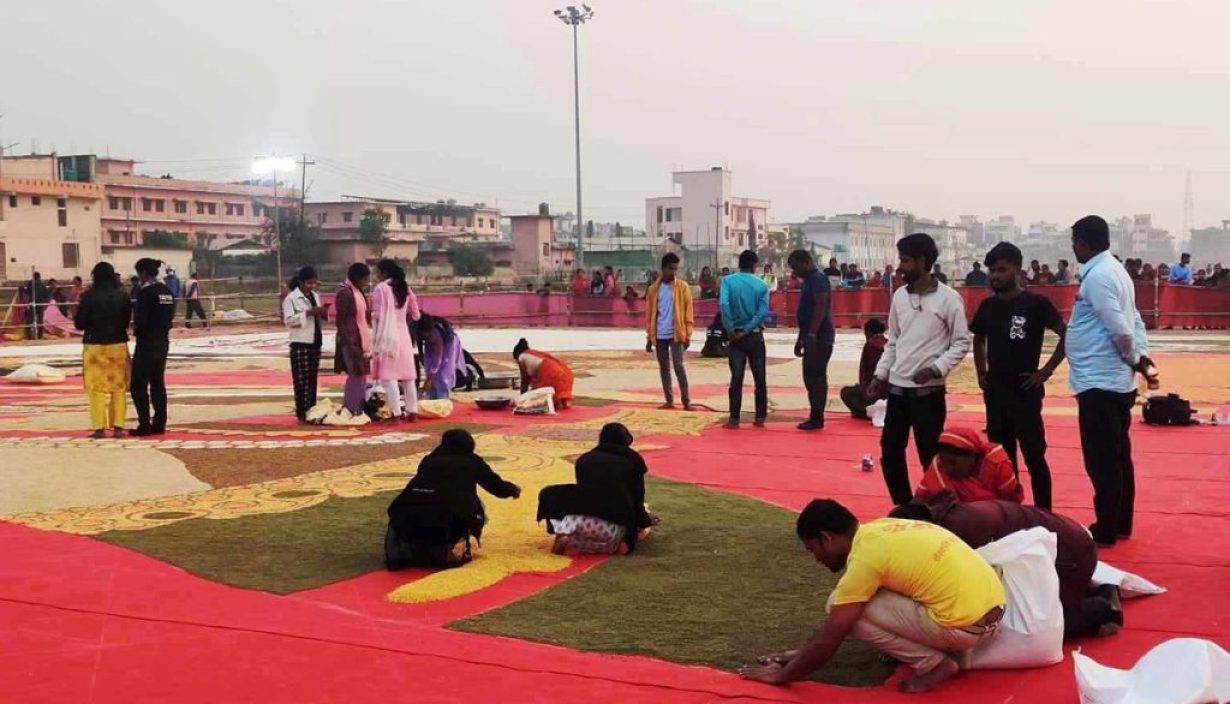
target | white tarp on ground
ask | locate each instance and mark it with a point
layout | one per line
(1130, 585)
(1179, 671)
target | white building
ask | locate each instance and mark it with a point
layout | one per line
(1001, 229)
(1211, 245)
(956, 254)
(706, 215)
(867, 239)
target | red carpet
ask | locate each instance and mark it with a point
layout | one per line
(84, 621)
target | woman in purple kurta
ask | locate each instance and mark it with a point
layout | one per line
(442, 355)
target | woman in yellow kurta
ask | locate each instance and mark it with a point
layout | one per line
(102, 315)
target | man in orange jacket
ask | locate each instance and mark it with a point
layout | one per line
(668, 326)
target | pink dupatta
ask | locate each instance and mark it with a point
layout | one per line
(360, 314)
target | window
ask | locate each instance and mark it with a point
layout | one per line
(200, 208)
(68, 251)
(418, 219)
(61, 202)
(113, 203)
(114, 236)
(322, 218)
(727, 207)
(454, 221)
(36, 200)
(160, 205)
(230, 208)
(239, 209)
(660, 213)
(668, 215)
(12, 201)
(127, 203)
(62, 214)
(181, 206)
(469, 221)
(347, 216)
(211, 208)
(480, 222)
(386, 217)
(546, 249)
(146, 204)
(728, 232)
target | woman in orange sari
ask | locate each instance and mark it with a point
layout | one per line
(972, 467)
(539, 369)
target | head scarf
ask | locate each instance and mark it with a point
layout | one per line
(615, 434)
(457, 441)
(965, 440)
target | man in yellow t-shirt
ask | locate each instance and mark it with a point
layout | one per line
(911, 589)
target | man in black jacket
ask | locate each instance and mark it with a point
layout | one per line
(151, 322)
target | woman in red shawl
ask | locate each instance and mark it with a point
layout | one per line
(539, 369)
(972, 467)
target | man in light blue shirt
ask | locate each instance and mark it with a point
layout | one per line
(1181, 273)
(744, 302)
(1106, 346)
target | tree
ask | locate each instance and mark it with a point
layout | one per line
(300, 238)
(470, 261)
(373, 228)
(169, 240)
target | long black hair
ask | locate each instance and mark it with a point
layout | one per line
(428, 321)
(521, 347)
(397, 279)
(103, 276)
(357, 272)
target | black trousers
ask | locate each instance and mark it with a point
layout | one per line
(853, 397)
(194, 308)
(149, 384)
(1105, 421)
(304, 367)
(748, 351)
(816, 377)
(925, 415)
(1014, 417)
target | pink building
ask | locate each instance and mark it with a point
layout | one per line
(208, 213)
(46, 222)
(408, 225)
(535, 251)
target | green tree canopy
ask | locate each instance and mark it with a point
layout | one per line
(470, 261)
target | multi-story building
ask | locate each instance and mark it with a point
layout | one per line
(706, 215)
(1152, 244)
(207, 214)
(408, 224)
(868, 239)
(47, 224)
(1211, 245)
(1001, 229)
(956, 254)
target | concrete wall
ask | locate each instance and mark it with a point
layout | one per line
(32, 236)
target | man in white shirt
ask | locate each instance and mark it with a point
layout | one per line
(927, 339)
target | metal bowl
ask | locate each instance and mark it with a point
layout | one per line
(492, 403)
(499, 380)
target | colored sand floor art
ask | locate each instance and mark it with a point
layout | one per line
(239, 557)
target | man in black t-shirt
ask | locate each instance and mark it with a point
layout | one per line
(151, 323)
(1008, 330)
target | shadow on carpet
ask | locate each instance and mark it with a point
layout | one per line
(722, 581)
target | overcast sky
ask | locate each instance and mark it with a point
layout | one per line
(1046, 109)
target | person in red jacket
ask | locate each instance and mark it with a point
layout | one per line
(972, 467)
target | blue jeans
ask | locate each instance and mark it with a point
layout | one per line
(748, 349)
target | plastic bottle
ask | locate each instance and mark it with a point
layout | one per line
(867, 464)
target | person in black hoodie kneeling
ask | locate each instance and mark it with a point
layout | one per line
(604, 512)
(432, 520)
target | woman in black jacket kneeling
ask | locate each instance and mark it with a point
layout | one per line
(432, 520)
(604, 512)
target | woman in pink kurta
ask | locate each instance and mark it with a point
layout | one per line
(392, 350)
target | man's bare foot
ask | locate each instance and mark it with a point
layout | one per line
(927, 682)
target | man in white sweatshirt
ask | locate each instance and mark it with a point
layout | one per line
(927, 339)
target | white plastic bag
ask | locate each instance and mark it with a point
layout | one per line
(540, 401)
(1130, 585)
(36, 374)
(1179, 671)
(1031, 632)
(877, 411)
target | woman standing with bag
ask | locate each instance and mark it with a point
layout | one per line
(304, 317)
(393, 304)
(103, 314)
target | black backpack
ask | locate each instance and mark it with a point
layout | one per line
(1169, 410)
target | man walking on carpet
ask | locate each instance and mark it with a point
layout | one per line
(744, 302)
(1106, 345)
(668, 326)
(816, 334)
(927, 339)
(910, 589)
(151, 323)
(1008, 330)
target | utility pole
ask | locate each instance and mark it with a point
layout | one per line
(303, 186)
(577, 17)
(717, 229)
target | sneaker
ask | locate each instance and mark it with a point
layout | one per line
(732, 424)
(811, 425)
(759, 423)
(142, 431)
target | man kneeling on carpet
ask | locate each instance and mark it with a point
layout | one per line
(972, 467)
(432, 520)
(911, 589)
(604, 512)
(1085, 611)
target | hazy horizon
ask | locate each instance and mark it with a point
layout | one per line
(1043, 110)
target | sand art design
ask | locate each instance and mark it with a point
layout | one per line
(133, 444)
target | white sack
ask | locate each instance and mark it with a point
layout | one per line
(1179, 671)
(1031, 632)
